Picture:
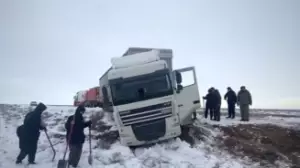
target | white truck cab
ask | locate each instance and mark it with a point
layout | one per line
(148, 102)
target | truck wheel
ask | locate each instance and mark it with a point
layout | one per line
(185, 136)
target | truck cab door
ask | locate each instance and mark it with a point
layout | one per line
(187, 94)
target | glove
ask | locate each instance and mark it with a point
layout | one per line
(89, 123)
(44, 128)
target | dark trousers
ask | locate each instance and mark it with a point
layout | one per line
(75, 154)
(231, 110)
(27, 149)
(217, 113)
(211, 111)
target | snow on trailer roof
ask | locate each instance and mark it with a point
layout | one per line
(135, 59)
(134, 50)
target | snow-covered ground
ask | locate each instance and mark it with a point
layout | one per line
(173, 154)
(263, 112)
(291, 122)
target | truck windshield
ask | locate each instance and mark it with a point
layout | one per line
(141, 88)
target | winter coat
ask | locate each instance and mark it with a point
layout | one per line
(77, 136)
(211, 100)
(20, 134)
(244, 97)
(218, 98)
(30, 131)
(231, 97)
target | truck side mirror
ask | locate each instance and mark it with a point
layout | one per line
(178, 77)
(105, 95)
(179, 88)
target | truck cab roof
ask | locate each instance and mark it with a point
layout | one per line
(164, 54)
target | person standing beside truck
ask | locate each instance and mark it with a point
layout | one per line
(217, 105)
(75, 136)
(244, 99)
(210, 103)
(231, 98)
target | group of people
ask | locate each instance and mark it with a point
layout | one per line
(214, 99)
(29, 133)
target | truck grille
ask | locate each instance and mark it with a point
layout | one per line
(148, 113)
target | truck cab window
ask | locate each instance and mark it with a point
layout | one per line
(187, 78)
(141, 88)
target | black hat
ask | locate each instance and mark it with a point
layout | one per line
(40, 107)
(80, 108)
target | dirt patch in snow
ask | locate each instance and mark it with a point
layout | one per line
(105, 137)
(263, 143)
(98, 124)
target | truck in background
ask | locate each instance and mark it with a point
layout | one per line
(79, 97)
(89, 98)
(147, 97)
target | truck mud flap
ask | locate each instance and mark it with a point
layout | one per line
(150, 130)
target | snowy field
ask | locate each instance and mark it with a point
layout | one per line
(264, 112)
(172, 154)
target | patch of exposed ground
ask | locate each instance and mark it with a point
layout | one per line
(98, 124)
(265, 144)
(104, 135)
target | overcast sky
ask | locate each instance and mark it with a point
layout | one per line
(51, 49)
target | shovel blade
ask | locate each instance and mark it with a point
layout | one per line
(90, 160)
(62, 163)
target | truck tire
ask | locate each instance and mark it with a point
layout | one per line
(185, 136)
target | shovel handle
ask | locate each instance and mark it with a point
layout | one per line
(90, 159)
(69, 138)
(90, 140)
(54, 152)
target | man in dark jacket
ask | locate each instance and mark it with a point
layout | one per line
(29, 134)
(217, 105)
(75, 136)
(231, 98)
(210, 103)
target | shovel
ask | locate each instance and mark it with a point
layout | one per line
(63, 163)
(90, 159)
(54, 152)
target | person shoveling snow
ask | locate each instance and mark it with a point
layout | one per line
(75, 137)
(29, 134)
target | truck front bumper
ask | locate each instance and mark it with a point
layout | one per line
(128, 137)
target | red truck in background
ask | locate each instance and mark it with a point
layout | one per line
(89, 98)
